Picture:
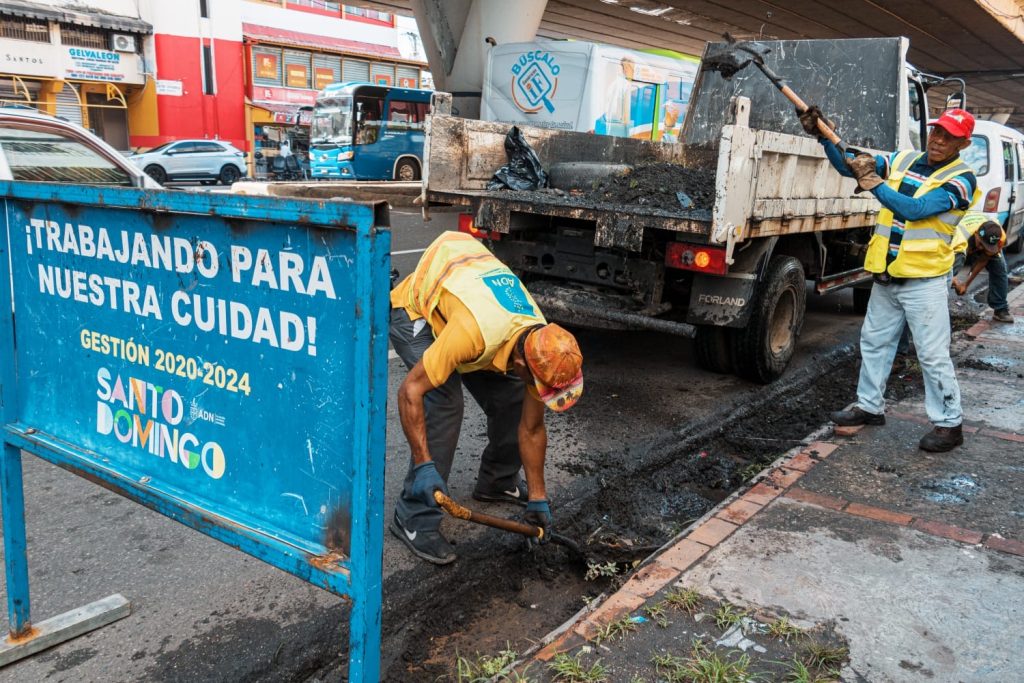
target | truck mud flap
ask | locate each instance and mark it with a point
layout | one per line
(723, 301)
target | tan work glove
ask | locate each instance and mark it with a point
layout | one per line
(864, 170)
(809, 120)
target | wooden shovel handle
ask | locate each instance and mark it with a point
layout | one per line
(802, 107)
(461, 512)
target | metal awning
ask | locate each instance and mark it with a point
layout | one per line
(71, 15)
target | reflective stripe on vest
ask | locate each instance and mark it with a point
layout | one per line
(915, 234)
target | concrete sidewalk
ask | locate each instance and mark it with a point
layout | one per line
(913, 561)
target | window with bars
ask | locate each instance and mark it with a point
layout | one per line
(84, 36)
(371, 14)
(322, 5)
(24, 29)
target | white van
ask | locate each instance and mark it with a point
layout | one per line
(997, 156)
(589, 88)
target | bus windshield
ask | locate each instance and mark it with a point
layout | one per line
(332, 123)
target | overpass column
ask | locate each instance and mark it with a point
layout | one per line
(454, 34)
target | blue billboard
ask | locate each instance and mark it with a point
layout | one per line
(219, 358)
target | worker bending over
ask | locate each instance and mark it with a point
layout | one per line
(462, 318)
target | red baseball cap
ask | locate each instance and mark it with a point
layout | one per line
(956, 122)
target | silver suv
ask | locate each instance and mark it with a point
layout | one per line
(204, 160)
(40, 148)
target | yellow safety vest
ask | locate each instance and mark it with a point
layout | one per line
(457, 263)
(969, 225)
(925, 250)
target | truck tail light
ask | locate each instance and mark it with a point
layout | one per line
(695, 257)
(467, 226)
(992, 200)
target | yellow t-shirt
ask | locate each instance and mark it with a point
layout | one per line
(457, 337)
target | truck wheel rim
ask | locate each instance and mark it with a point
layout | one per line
(781, 331)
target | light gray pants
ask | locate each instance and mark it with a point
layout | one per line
(923, 305)
(501, 398)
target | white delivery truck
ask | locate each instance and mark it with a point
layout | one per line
(589, 88)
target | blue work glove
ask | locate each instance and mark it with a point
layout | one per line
(538, 513)
(426, 480)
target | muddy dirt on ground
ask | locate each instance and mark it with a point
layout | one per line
(500, 597)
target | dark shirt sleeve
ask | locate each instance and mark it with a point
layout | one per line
(838, 160)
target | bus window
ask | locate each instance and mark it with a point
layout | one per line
(406, 115)
(368, 119)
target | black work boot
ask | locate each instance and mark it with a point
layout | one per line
(855, 416)
(942, 439)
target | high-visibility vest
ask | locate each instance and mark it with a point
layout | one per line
(457, 263)
(925, 250)
(969, 225)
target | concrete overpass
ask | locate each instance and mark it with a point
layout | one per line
(981, 41)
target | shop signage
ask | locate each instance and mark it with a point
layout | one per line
(298, 76)
(382, 79)
(324, 77)
(266, 65)
(28, 59)
(90, 64)
(407, 82)
(284, 95)
(169, 88)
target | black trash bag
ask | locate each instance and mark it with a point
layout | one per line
(523, 170)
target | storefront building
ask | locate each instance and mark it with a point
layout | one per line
(326, 42)
(86, 67)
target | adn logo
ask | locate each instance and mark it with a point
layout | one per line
(534, 81)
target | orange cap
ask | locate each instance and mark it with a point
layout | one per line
(556, 364)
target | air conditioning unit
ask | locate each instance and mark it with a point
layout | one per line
(119, 42)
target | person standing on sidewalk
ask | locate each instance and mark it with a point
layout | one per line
(462, 318)
(978, 243)
(923, 195)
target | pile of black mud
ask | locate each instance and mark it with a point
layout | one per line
(658, 186)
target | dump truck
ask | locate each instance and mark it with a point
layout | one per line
(730, 272)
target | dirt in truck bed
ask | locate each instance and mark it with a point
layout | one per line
(655, 188)
(658, 186)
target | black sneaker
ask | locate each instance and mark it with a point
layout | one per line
(426, 545)
(855, 416)
(516, 495)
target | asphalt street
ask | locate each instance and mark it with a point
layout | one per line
(202, 611)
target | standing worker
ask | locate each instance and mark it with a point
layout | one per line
(923, 195)
(462, 318)
(978, 243)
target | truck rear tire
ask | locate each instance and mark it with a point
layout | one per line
(712, 347)
(763, 348)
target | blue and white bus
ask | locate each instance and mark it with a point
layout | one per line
(368, 132)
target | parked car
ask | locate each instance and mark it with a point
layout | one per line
(207, 161)
(997, 156)
(38, 147)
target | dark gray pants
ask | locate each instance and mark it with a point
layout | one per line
(501, 398)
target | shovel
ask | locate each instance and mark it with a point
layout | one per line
(528, 530)
(734, 57)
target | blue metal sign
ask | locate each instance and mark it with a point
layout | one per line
(221, 359)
